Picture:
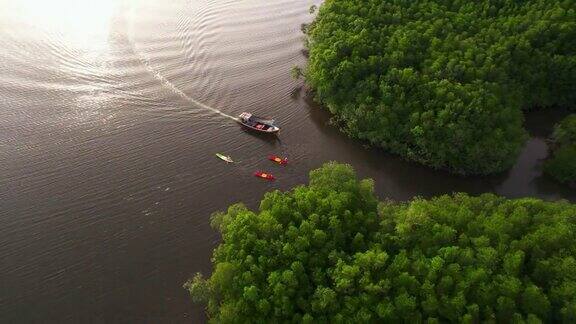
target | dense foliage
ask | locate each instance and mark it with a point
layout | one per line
(442, 82)
(329, 253)
(562, 165)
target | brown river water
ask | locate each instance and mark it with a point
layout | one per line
(112, 112)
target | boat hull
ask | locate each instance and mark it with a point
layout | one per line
(271, 130)
(277, 159)
(224, 158)
(264, 175)
(257, 124)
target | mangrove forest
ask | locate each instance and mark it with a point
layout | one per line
(443, 82)
(330, 252)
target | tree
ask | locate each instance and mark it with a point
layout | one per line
(562, 165)
(312, 9)
(443, 83)
(565, 132)
(296, 72)
(330, 253)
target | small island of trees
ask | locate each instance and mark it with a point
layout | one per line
(330, 252)
(443, 82)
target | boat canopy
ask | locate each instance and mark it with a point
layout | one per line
(245, 115)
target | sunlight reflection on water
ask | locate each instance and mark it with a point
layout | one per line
(82, 25)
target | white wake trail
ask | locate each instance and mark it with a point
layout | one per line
(179, 92)
(146, 62)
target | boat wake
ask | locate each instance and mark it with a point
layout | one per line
(179, 92)
(169, 85)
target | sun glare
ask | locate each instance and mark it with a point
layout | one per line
(81, 23)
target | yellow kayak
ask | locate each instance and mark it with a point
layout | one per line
(224, 158)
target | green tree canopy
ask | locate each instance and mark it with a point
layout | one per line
(330, 253)
(565, 132)
(562, 165)
(442, 82)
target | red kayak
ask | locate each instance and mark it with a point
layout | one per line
(277, 159)
(264, 175)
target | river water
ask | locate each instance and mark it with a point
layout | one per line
(112, 113)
